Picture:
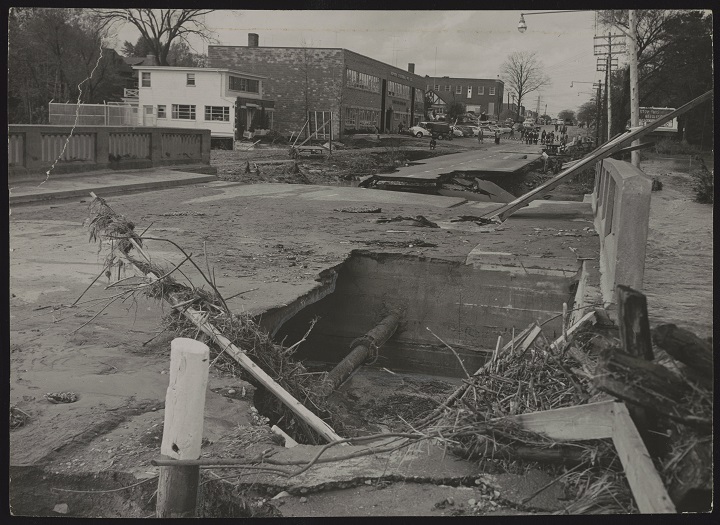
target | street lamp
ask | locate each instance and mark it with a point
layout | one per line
(522, 26)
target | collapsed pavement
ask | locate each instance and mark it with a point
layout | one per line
(495, 258)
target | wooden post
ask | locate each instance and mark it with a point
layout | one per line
(182, 433)
(634, 322)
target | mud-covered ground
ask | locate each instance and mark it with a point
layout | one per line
(117, 363)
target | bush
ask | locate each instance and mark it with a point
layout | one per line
(704, 184)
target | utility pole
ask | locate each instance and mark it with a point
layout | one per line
(598, 119)
(634, 94)
(607, 66)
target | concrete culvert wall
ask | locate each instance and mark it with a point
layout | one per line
(466, 306)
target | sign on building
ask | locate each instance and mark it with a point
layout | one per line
(648, 115)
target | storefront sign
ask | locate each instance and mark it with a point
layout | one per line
(648, 115)
(393, 74)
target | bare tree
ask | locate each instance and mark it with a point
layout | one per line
(523, 72)
(160, 27)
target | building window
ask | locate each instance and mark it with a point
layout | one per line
(217, 113)
(191, 79)
(458, 90)
(395, 89)
(427, 87)
(447, 88)
(437, 87)
(244, 84)
(183, 111)
(145, 79)
(481, 90)
(161, 112)
(355, 79)
(492, 91)
(350, 118)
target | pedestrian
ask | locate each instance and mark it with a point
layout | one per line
(497, 136)
(433, 142)
(400, 128)
(480, 135)
(542, 137)
(522, 133)
(556, 126)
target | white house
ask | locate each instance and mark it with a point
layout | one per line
(224, 101)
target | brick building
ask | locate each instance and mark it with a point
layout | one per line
(482, 96)
(310, 83)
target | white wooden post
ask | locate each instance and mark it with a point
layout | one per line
(183, 430)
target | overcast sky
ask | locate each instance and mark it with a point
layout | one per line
(470, 44)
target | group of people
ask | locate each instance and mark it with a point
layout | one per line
(535, 136)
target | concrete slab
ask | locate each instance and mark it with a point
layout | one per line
(419, 462)
(105, 182)
(323, 193)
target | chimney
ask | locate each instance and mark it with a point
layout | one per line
(253, 40)
(411, 68)
(150, 60)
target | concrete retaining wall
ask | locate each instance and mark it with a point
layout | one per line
(465, 306)
(32, 149)
(621, 204)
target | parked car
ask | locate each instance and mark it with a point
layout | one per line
(569, 122)
(436, 129)
(462, 131)
(420, 130)
(502, 128)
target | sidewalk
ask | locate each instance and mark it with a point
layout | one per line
(104, 181)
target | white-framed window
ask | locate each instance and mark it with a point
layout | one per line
(217, 113)
(190, 79)
(447, 88)
(161, 112)
(481, 90)
(458, 90)
(437, 87)
(145, 79)
(244, 84)
(492, 91)
(183, 111)
(355, 79)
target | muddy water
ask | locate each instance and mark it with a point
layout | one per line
(679, 259)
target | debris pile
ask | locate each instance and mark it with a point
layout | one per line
(208, 308)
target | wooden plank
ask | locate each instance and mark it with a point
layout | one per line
(634, 322)
(258, 373)
(592, 421)
(560, 341)
(645, 483)
(612, 147)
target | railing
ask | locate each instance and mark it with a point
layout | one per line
(33, 149)
(16, 149)
(621, 204)
(131, 93)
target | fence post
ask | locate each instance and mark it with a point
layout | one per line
(183, 429)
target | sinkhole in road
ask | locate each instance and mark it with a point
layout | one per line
(466, 303)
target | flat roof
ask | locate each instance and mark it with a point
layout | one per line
(209, 69)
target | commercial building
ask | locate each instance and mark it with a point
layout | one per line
(222, 100)
(481, 96)
(330, 88)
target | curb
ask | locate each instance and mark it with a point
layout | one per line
(107, 190)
